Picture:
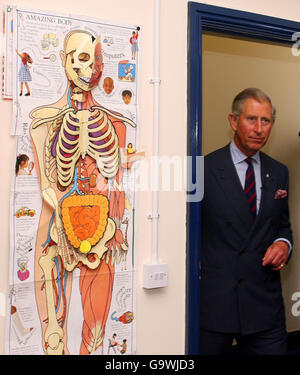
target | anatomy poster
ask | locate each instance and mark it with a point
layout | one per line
(72, 260)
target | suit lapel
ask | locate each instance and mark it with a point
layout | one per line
(230, 183)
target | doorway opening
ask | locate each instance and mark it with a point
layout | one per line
(230, 50)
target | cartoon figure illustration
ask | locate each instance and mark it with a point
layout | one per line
(128, 72)
(21, 165)
(79, 147)
(23, 272)
(108, 85)
(130, 149)
(24, 73)
(134, 43)
(112, 343)
(123, 347)
(132, 155)
(126, 96)
(22, 162)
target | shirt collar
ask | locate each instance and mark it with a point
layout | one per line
(238, 156)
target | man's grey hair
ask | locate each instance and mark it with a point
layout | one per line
(250, 93)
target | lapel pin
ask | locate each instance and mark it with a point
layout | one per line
(267, 175)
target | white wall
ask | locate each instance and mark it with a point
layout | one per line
(160, 313)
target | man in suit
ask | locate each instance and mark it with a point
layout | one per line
(246, 237)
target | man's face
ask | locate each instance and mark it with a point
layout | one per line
(253, 127)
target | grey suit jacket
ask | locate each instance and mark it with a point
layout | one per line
(238, 294)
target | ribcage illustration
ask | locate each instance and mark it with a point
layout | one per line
(86, 133)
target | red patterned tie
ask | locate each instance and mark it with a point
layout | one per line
(250, 190)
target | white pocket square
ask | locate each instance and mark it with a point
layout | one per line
(280, 194)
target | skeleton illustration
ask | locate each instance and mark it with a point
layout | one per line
(78, 147)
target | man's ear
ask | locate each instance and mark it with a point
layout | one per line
(63, 58)
(233, 121)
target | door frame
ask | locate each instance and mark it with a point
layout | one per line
(201, 18)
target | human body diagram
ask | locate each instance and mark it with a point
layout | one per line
(80, 158)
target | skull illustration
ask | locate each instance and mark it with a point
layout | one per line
(84, 62)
